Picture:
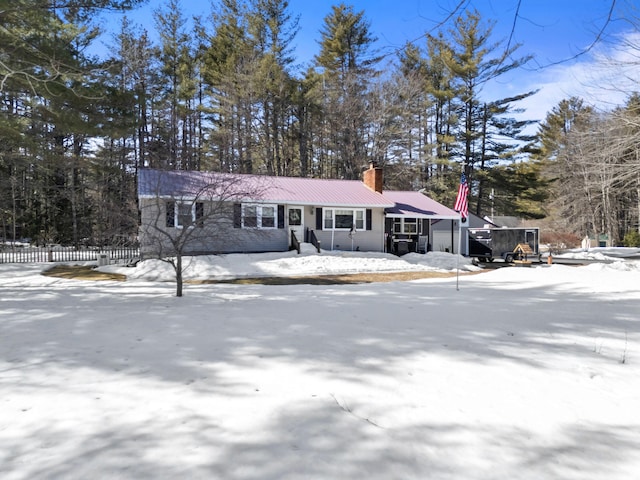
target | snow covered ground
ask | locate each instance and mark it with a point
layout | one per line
(520, 373)
(602, 253)
(291, 264)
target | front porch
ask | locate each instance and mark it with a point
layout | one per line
(408, 225)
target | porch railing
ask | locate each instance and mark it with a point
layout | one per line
(314, 240)
(295, 243)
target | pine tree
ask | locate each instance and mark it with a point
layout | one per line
(347, 64)
(473, 61)
(229, 61)
(51, 94)
(180, 72)
(559, 149)
(307, 109)
(436, 113)
(272, 30)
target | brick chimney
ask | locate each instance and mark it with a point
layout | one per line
(372, 178)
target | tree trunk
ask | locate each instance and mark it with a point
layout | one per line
(178, 267)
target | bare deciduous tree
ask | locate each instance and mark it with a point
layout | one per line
(190, 213)
(595, 160)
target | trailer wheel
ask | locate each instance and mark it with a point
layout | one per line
(508, 258)
(489, 259)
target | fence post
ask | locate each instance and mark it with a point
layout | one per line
(50, 255)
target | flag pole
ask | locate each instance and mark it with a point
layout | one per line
(461, 206)
(458, 261)
(458, 255)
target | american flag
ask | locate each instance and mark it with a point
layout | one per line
(462, 204)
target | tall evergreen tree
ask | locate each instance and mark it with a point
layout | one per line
(51, 93)
(593, 158)
(473, 61)
(558, 149)
(229, 60)
(307, 108)
(180, 72)
(437, 113)
(347, 63)
(125, 140)
(273, 29)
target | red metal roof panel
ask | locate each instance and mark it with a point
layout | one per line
(259, 188)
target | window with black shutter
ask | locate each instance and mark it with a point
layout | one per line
(199, 214)
(258, 216)
(237, 215)
(280, 216)
(171, 214)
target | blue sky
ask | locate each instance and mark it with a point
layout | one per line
(554, 31)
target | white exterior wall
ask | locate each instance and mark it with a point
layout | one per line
(217, 236)
(363, 240)
(442, 239)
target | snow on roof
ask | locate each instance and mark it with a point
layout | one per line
(258, 188)
(417, 205)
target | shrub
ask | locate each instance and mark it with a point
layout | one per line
(559, 240)
(632, 239)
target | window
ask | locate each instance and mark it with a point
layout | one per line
(411, 225)
(328, 219)
(295, 217)
(250, 216)
(184, 214)
(408, 226)
(343, 219)
(259, 216)
(268, 217)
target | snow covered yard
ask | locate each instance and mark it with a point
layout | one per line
(522, 373)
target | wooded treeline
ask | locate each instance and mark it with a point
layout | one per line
(593, 159)
(225, 92)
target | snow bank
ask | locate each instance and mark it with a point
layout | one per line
(284, 264)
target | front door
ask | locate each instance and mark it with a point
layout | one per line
(296, 222)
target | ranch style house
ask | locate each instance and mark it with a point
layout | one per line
(234, 213)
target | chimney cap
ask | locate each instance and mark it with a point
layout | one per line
(372, 164)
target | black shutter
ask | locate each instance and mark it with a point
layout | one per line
(318, 219)
(368, 219)
(199, 214)
(171, 214)
(237, 215)
(280, 216)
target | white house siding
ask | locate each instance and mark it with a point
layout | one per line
(442, 233)
(254, 241)
(442, 242)
(363, 240)
(217, 235)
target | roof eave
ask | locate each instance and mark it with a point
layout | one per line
(422, 215)
(271, 201)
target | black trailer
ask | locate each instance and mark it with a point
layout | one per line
(491, 243)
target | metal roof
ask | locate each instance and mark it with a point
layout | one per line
(258, 188)
(417, 205)
(290, 190)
